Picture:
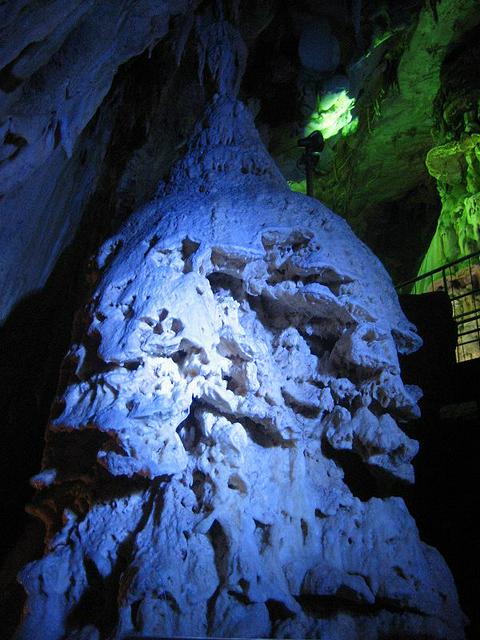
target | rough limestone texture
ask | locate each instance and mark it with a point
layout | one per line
(239, 335)
(456, 168)
(58, 59)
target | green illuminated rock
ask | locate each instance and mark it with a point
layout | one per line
(377, 178)
(456, 168)
(333, 109)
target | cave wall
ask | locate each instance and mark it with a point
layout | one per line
(378, 106)
(454, 161)
(58, 61)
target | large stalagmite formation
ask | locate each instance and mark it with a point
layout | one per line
(238, 335)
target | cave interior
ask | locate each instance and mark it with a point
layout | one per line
(98, 101)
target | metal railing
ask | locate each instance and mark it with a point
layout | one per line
(460, 279)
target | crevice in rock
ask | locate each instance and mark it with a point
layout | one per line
(240, 597)
(278, 611)
(14, 140)
(92, 607)
(203, 489)
(8, 80)
(357, 476)
(305, 410)
(189, 248)
(220, 281)
(304, 528)
(262, 534)
(189, 430)
(219, 541)
(63, 449)
(237, 484)
(211, 604)
(261, 435)
(92, 363)
(323, 607)
(320, 344)
(98, 603)
(134, 611)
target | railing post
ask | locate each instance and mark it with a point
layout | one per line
(444, 276)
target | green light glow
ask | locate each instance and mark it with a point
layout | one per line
(333, 113)
(456, 168)
(298, 187)
(350, 128)
(381, 38)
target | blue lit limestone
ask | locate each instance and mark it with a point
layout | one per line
(239, 335)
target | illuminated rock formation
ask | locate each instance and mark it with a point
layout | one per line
(57, 61)
(456, 168)
(238, 335)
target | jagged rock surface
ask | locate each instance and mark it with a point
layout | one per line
(58, 59)
(236, 332)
